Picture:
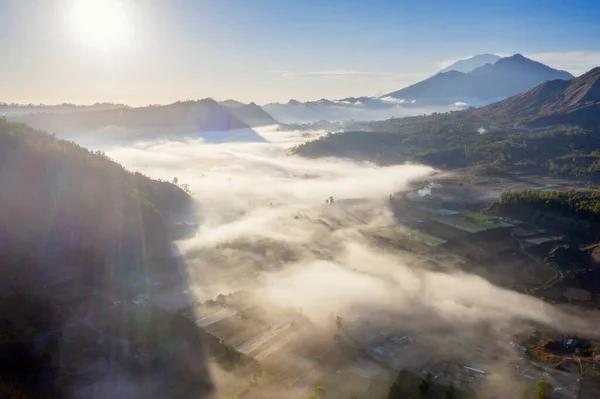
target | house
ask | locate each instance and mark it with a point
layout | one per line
(570, 342)
(472, 371)
(517, 346)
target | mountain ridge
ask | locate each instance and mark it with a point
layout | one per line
(92, 202)
(251, 114)
(471, 63)
(556, 102)
(506, 77)
(188, 116)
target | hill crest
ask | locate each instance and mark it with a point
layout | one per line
(506, 77)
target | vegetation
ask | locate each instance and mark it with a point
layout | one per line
(500, 134)
(188, 116)
(449, 393)
(411, 385)
(66, 210)
(60, 197)
(317, 393)
(582, 204)
(456, 139)
(542, 389)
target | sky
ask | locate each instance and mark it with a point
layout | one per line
(143, 52)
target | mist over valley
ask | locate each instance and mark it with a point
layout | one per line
(299, 200)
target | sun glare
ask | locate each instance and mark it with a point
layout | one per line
(100, 23)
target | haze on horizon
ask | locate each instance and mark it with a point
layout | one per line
(88, 51)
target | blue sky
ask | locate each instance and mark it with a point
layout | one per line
(271, 50)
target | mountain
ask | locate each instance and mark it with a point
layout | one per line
(60, 198)
(231, 103)
(180, 117)
(488, 83)
(556, 102)
(293, 111)
(348, 109)
(564, 115)
(10, 109)
(251, 114)
(470, 64)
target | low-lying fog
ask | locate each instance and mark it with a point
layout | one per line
(265, 226)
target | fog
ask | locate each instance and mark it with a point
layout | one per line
(367, 110)
(265, 227)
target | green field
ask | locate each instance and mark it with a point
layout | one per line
(472, 222)
(400, 232)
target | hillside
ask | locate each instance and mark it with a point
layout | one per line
(185, 117)
(557, 102)
(58, 197)
(506, 77)
(15, 108)
(251, 114)
(496, 138)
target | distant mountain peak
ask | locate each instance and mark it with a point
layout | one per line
(471, 63)
(231, 103)
(487, 83)
(454, 73)
(208, 101)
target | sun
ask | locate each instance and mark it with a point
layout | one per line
(100, 23)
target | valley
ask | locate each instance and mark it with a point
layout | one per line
(296, 199)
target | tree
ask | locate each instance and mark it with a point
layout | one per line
(186, 187)
(542, 389)
(175, 181)
(449, 393)
(395, 391)
(331, 200)
(429, 378)
(338, 322)
(318, 392)
(423, 387)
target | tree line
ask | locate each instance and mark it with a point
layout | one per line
(582, 204)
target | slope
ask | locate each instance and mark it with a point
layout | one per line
(558, 102)
(57, 196)
(185, 116)
(469, 64)
(506, 77)
(251, 114)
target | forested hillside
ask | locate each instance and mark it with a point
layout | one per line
(65, 211)
(57, 196)
(552, 128)
(446, 144)
(182, 116)
(582, 204)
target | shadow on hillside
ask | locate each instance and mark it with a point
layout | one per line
(73, 326)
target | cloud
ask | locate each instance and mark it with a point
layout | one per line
(265, 228)
(398, 101)
(576, 62)
(346, 74)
